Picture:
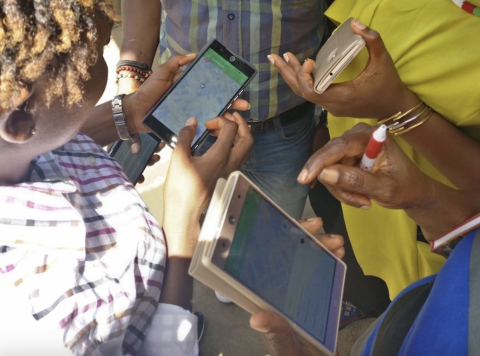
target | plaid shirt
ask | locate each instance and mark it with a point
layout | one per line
(252, 29)
(77, 237)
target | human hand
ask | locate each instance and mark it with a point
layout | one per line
(190, 180)
(378, 92)
(279, 336)
(137, 105)
(334, 243)
(394, 182)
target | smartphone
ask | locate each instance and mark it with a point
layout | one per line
(134, 165)
(269, 258)
(205, 90)
(339, 50)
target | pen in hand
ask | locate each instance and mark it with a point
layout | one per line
(373, 148)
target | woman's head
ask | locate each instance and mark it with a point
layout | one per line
(52, 38)
(52, 73)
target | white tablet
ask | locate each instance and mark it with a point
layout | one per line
(269, 258)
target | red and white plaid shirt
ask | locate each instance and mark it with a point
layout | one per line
(78, 238)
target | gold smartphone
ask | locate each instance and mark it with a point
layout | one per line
(339, 50)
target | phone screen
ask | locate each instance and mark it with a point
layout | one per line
(275, 259)
(204, 91)
(134, 165)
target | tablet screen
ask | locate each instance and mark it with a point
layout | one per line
(276, 260)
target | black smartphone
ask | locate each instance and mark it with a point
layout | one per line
(134, 165)
(206, 89)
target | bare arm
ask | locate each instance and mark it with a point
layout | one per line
(449, 149)
(141, 28)
(395, 182)
(141, 32)
(188, 187)
(378, 92)
(100, 126)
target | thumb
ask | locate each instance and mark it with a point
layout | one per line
(135, 144)
(373, 40)
(281, 339)
(185, 138)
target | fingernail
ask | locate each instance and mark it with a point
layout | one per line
(329, 176)
(270, 58)
(365, 207)
(135, 148)
(359, 25)
(285, 57)
(249, 106)
(191, 121)
(190, 54)
(263, 330)
(303, 175)
(314, 219)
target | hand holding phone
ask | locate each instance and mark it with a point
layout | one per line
(339, 50)
(205, 90)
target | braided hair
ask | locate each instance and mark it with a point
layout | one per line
(55, 38)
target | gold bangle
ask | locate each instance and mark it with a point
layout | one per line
(399, 114)
(416, 125)
(400, 126)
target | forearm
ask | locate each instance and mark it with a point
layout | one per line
(178, 285)
(442, 208)
(451, 151)
(141, 28)
(101, 127)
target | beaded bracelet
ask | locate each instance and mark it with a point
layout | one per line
(134, 70)
(400, 126)
(416, 125)
(142, 66)
(133, 76)
(400, 115)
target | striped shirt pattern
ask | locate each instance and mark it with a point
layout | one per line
(252, 29)
(78, 238)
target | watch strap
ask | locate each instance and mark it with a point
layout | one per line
(119, 118)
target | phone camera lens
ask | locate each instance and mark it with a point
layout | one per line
(302, 241)
(239, 196)
(231, 219)
(232, 59)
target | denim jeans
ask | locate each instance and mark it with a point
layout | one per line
(277, 157)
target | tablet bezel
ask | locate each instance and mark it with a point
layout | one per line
(222, 247)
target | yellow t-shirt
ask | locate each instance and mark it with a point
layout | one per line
(435, 46)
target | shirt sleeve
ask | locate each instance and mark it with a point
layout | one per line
(173, 332)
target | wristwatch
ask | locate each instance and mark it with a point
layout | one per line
(119, 118)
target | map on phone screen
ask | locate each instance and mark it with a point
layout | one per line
(203, 92)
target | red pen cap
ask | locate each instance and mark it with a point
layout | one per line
(376, 142)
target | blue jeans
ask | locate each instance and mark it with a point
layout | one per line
(277, 157)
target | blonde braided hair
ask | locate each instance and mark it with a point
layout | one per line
(55, 38)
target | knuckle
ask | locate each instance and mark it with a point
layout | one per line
(338, 142)
(186, 131)
(354, 180)
(249, 140)
(374, 35)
